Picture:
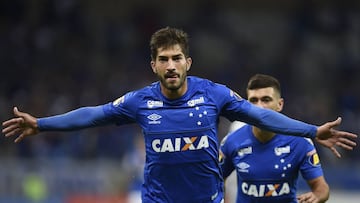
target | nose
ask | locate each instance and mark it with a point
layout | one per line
(259, 104)
(171, 65)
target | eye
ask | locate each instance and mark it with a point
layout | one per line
(253, 100)
(266, 99)
(177, 58)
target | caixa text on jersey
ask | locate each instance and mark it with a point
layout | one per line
(180, 144)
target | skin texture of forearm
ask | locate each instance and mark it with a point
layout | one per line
(320, 189)
(322, 193)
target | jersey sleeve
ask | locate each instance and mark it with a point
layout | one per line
(225, 157)
(124, 109)
(234, 107)
(121, 111)
(310, 167)
(74, 120)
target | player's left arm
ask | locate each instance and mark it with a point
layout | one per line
(325, 134)
(237, 108)
(319, 191)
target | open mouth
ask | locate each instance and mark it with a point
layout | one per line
(171, 76)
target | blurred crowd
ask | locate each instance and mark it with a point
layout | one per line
(58, 55)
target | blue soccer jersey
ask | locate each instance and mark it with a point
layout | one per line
(180, 140)
(268, 172)
(180, 135)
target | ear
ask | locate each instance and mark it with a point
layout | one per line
(280, 104)
(188, 63)
(152, 64)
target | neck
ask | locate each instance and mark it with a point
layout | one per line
(262, 135)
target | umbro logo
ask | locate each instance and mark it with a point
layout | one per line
(243, 167)
(154, 118)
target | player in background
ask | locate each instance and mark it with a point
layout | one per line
(267, 164)
(231, 179)
(179, 117)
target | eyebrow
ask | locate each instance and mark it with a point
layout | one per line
(173, 56)
(264, 97)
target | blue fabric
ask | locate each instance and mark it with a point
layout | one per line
(180, 135)
(77, 119)
(268, 172)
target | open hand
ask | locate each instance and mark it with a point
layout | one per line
(329, 137)
(23, 124)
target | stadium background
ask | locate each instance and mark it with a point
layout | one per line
(57, 55)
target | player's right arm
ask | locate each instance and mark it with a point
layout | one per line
(24, 124)
(120, 111)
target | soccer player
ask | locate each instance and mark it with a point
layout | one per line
(179, 116)
(266, 163)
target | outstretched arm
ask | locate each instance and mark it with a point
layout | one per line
(319, 191)
(327, 136)
(24, 124)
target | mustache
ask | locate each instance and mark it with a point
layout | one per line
(171, 74)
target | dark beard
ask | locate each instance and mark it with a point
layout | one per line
(171, 87)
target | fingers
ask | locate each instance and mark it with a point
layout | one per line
(22, 124)
(21, 137)
(344, 140)
(336, 122)
(347, 141)
(307, 198)
(20, 114)
(11, 124)
(12, 121)
(302, 198)
(340, 133)
(17, 112)
(10, 131)
(349, 135)
(335, 152)
(344, 146)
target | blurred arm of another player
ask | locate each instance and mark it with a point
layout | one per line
(319, 191)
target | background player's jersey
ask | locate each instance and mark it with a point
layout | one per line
(267, 172)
